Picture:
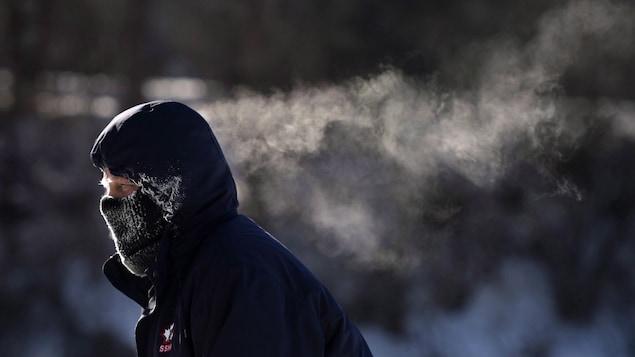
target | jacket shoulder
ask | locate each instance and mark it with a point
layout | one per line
(240, 244)
(245, 280)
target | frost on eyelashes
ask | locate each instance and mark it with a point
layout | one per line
(165, 192)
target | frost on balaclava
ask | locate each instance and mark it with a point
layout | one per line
(136, 224)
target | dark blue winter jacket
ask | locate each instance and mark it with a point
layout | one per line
(221, 285)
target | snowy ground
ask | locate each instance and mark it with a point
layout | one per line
(511, 316)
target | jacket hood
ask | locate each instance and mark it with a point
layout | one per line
(171, 152)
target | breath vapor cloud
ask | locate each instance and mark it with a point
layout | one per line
(356, 159)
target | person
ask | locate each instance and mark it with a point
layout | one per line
(210, 280)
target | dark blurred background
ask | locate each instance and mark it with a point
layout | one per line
(458, 173)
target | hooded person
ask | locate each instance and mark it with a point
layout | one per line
(211, 282)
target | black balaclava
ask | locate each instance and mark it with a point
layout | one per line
(170, 151)
(136, 224)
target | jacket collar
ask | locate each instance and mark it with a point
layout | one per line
(134, 287)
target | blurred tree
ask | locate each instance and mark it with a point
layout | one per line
(136, 67)
(27, 28)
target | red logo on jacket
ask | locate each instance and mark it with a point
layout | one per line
(167, 334)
